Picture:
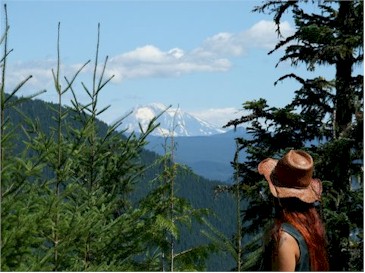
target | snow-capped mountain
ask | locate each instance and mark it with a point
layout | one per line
(173, 120)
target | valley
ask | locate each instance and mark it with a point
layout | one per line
(206, 149)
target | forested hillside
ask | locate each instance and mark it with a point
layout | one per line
(208, 156)
(79, 195)
(195, 189)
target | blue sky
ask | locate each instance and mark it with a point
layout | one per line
(207, 57)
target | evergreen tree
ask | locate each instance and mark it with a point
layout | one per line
(325, 118)
(19, 214)
(66, 192)
(169, 214)
(65, 203)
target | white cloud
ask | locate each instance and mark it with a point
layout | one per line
(149, 61)
(213, 55)
(176, 52)
(218, 116)
(41, 72)
(145, 54)
(263, 35)
(222, 44)
(41, 75)
(260, 35)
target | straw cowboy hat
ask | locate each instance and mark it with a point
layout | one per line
(291, 176)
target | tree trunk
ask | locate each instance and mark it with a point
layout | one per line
(344, 64)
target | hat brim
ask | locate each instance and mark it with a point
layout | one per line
(308, 194)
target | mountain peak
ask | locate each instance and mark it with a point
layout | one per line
(157, 105)
(172, 120)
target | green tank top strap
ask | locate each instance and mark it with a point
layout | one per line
(303, 263)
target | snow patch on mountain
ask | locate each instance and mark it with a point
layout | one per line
(173, 121)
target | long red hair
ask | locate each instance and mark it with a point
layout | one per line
(305, 218)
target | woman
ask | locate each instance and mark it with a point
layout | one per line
(297, 240)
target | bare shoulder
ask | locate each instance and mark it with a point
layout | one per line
(288, 253)
(288, 241)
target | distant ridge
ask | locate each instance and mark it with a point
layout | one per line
(172, 120)
(208, 156)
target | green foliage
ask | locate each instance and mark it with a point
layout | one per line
(77, 195)
(165, 213)
(133, 226)
(325, 118)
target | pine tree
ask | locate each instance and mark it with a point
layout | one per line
(101, 168)
(325, 118)
(165, 214)
(67, 190)
(65, 203)
(19, 214)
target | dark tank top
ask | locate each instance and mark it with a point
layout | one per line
(303, 264)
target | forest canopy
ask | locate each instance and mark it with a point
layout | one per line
(79, 195)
